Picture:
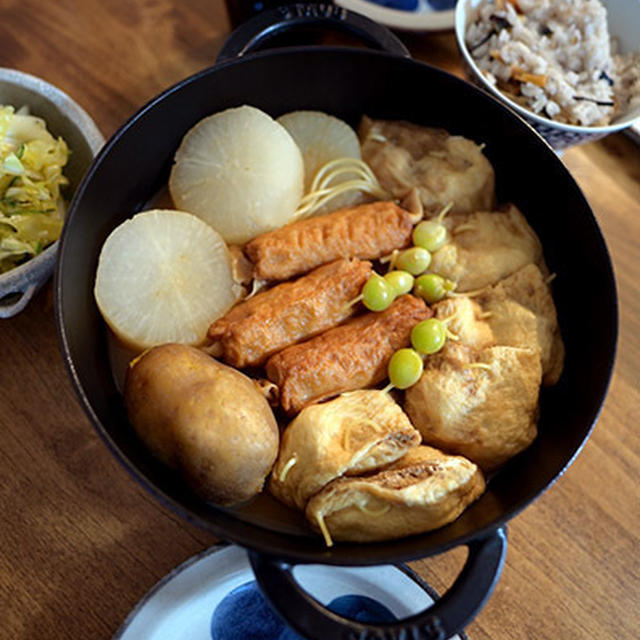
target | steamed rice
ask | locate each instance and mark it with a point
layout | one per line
(555, 58)
(628, 87)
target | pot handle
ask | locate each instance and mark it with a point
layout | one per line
(276, 21)
(444, 618)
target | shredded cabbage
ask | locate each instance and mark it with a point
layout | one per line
(31, 206)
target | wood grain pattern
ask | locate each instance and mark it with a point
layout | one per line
(81, 542)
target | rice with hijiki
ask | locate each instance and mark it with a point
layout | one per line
(556, 58)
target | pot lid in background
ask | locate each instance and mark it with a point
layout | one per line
(213, 596)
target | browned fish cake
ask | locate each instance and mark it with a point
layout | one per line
(367, 231)
(352, 356)
(287, 313)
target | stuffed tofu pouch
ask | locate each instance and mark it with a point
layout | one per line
(355, 433)
(424, 490)
(444, 168)
(485, 247)
(507, 305)
(482, 404)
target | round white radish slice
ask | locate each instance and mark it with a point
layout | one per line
(164, 276)
(240, 171)
(322, 138)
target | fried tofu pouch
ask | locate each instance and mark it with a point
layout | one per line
(348, 357)
(516, 312)
(444, 168)
(424, 490)
(485, 247)
(355, 433)
(287, 313)
(510, 305)
(466, 320)
(367, 231)
(482, 404)
(499, 320)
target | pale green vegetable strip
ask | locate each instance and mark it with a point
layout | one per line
(31, 178)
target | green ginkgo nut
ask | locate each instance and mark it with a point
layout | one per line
(430, 287)
(405, 368)
(415, 260)
(430, 235)
(401, 281)
(429, 336)
(377, 293)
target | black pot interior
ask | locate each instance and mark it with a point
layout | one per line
(348, 83)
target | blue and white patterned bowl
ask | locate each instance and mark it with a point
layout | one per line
(624, 24)
(65, 118)
(405, 15)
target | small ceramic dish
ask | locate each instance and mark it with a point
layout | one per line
(423, 18)
(65, 118)
(624, 25)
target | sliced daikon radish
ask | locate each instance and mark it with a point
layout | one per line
(240, 171)
(323, 138)
(164, 276)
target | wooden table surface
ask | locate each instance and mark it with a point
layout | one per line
(81, 542)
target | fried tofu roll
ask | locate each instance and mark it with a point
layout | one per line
(355, 433)
(288, 313)
(367, 231)
(424, 490)
(348, 357)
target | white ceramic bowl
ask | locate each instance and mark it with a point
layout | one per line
(624, 25)
(424, 19)
(64, 118)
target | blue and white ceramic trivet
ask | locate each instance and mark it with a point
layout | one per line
(213, 596)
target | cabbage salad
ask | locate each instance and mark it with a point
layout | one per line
(31, 207)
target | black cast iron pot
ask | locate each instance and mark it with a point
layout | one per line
(348, 83)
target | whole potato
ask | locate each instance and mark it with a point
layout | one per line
(204, 418)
